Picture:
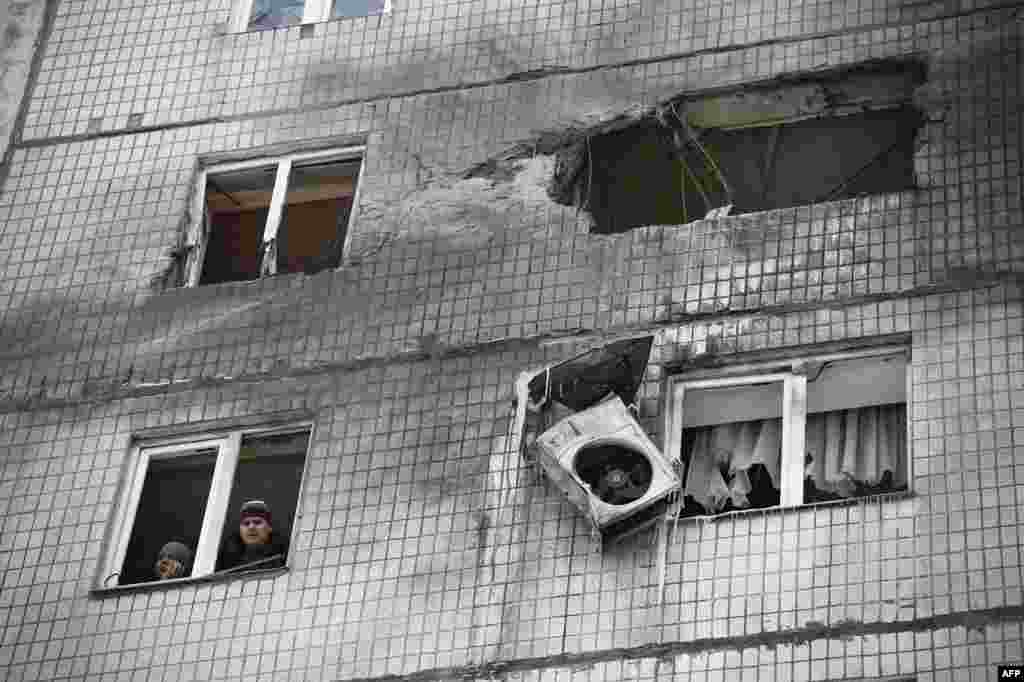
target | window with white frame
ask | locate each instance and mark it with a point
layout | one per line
(810, 430)
(270, 216)
(251, 15)
(190, 501)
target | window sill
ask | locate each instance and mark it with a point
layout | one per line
(848, 502)
(287, 279)
(101, 592)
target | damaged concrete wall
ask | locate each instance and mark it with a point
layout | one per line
(478, 217)
(426, 547)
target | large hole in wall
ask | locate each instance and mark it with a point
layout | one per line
(791, 144)
(631, 178)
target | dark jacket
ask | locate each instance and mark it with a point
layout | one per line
(235, 553)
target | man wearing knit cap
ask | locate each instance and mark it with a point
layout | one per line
(255, 545)
(255, 526)
(173, 561)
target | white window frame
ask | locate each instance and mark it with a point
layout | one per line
(792, 375)
(313, 11)
(205, 555)
(198, 231)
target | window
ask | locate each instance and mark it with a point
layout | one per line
(191, 494)
(749, 150)
(810, 430)
(253, 15)
(272, 216)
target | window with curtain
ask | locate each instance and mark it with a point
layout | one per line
(813, 430)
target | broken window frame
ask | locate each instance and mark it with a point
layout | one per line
(313, 12)
(792, 375)
(198, 236)
(205, 554)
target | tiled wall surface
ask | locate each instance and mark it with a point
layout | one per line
(425, 543)
(440, 260)
(173, 61)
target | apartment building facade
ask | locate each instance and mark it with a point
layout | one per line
(362, 261)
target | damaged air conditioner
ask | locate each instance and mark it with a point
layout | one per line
(592, 447)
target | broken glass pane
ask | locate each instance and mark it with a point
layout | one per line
(236, 204)
(274, 13)
(357, 8)
(171, 507)
(318, 204)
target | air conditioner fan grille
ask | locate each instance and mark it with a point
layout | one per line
(616, 474)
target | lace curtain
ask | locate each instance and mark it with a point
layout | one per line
(721, 458)
(846, 451)
(851, 449)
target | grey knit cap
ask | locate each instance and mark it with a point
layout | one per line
(177, 551)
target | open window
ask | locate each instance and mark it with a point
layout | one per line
(251, 15)
(750, 150)
(812, 430)
(191, 496)
(273, 216)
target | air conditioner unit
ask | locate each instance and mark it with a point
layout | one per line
(598, 455)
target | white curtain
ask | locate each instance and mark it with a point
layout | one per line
(845, 450)
(850, 447)
(733, 448)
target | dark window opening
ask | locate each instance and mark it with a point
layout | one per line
(180, 488)
(315, 221)
(236, 212)
(649, 175)
(816, 160)
(797, 141)
(309, 236)
(171, 508)
(269, 469)
(632, 178)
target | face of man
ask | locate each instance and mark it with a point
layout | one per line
(169, 568)
(254, 530)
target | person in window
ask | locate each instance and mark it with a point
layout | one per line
(256, 545)
(173, 561)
